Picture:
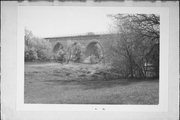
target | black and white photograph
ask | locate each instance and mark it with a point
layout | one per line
(89, 60)
(91, 56)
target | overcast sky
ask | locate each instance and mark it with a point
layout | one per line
(63, 21)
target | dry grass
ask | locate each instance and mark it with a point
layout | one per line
(75, 84)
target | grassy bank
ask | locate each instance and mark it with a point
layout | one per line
(54, 83)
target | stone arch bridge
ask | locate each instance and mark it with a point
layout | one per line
(104, 40)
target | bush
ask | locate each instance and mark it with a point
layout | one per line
(37, 49)
(120, 66)
(94, 59)
(30, 55)
(77, 55)
(75, 52)
(43, 55)
(60, 56)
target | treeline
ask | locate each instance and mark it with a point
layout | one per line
(41, 50)
(135, 53)
(36, 49)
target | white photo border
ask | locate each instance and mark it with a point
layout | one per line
(163, 80)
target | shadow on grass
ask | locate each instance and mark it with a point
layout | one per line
(97, 84)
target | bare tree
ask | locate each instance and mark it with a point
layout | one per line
(36, 48)
(139, 33)
(74, 53)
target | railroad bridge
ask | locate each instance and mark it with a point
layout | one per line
(86, 41)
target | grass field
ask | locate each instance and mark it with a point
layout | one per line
(53, 83)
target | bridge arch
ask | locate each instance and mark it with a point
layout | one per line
(91, 49)
(57, 47)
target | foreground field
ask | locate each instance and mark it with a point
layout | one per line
(53, 83)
